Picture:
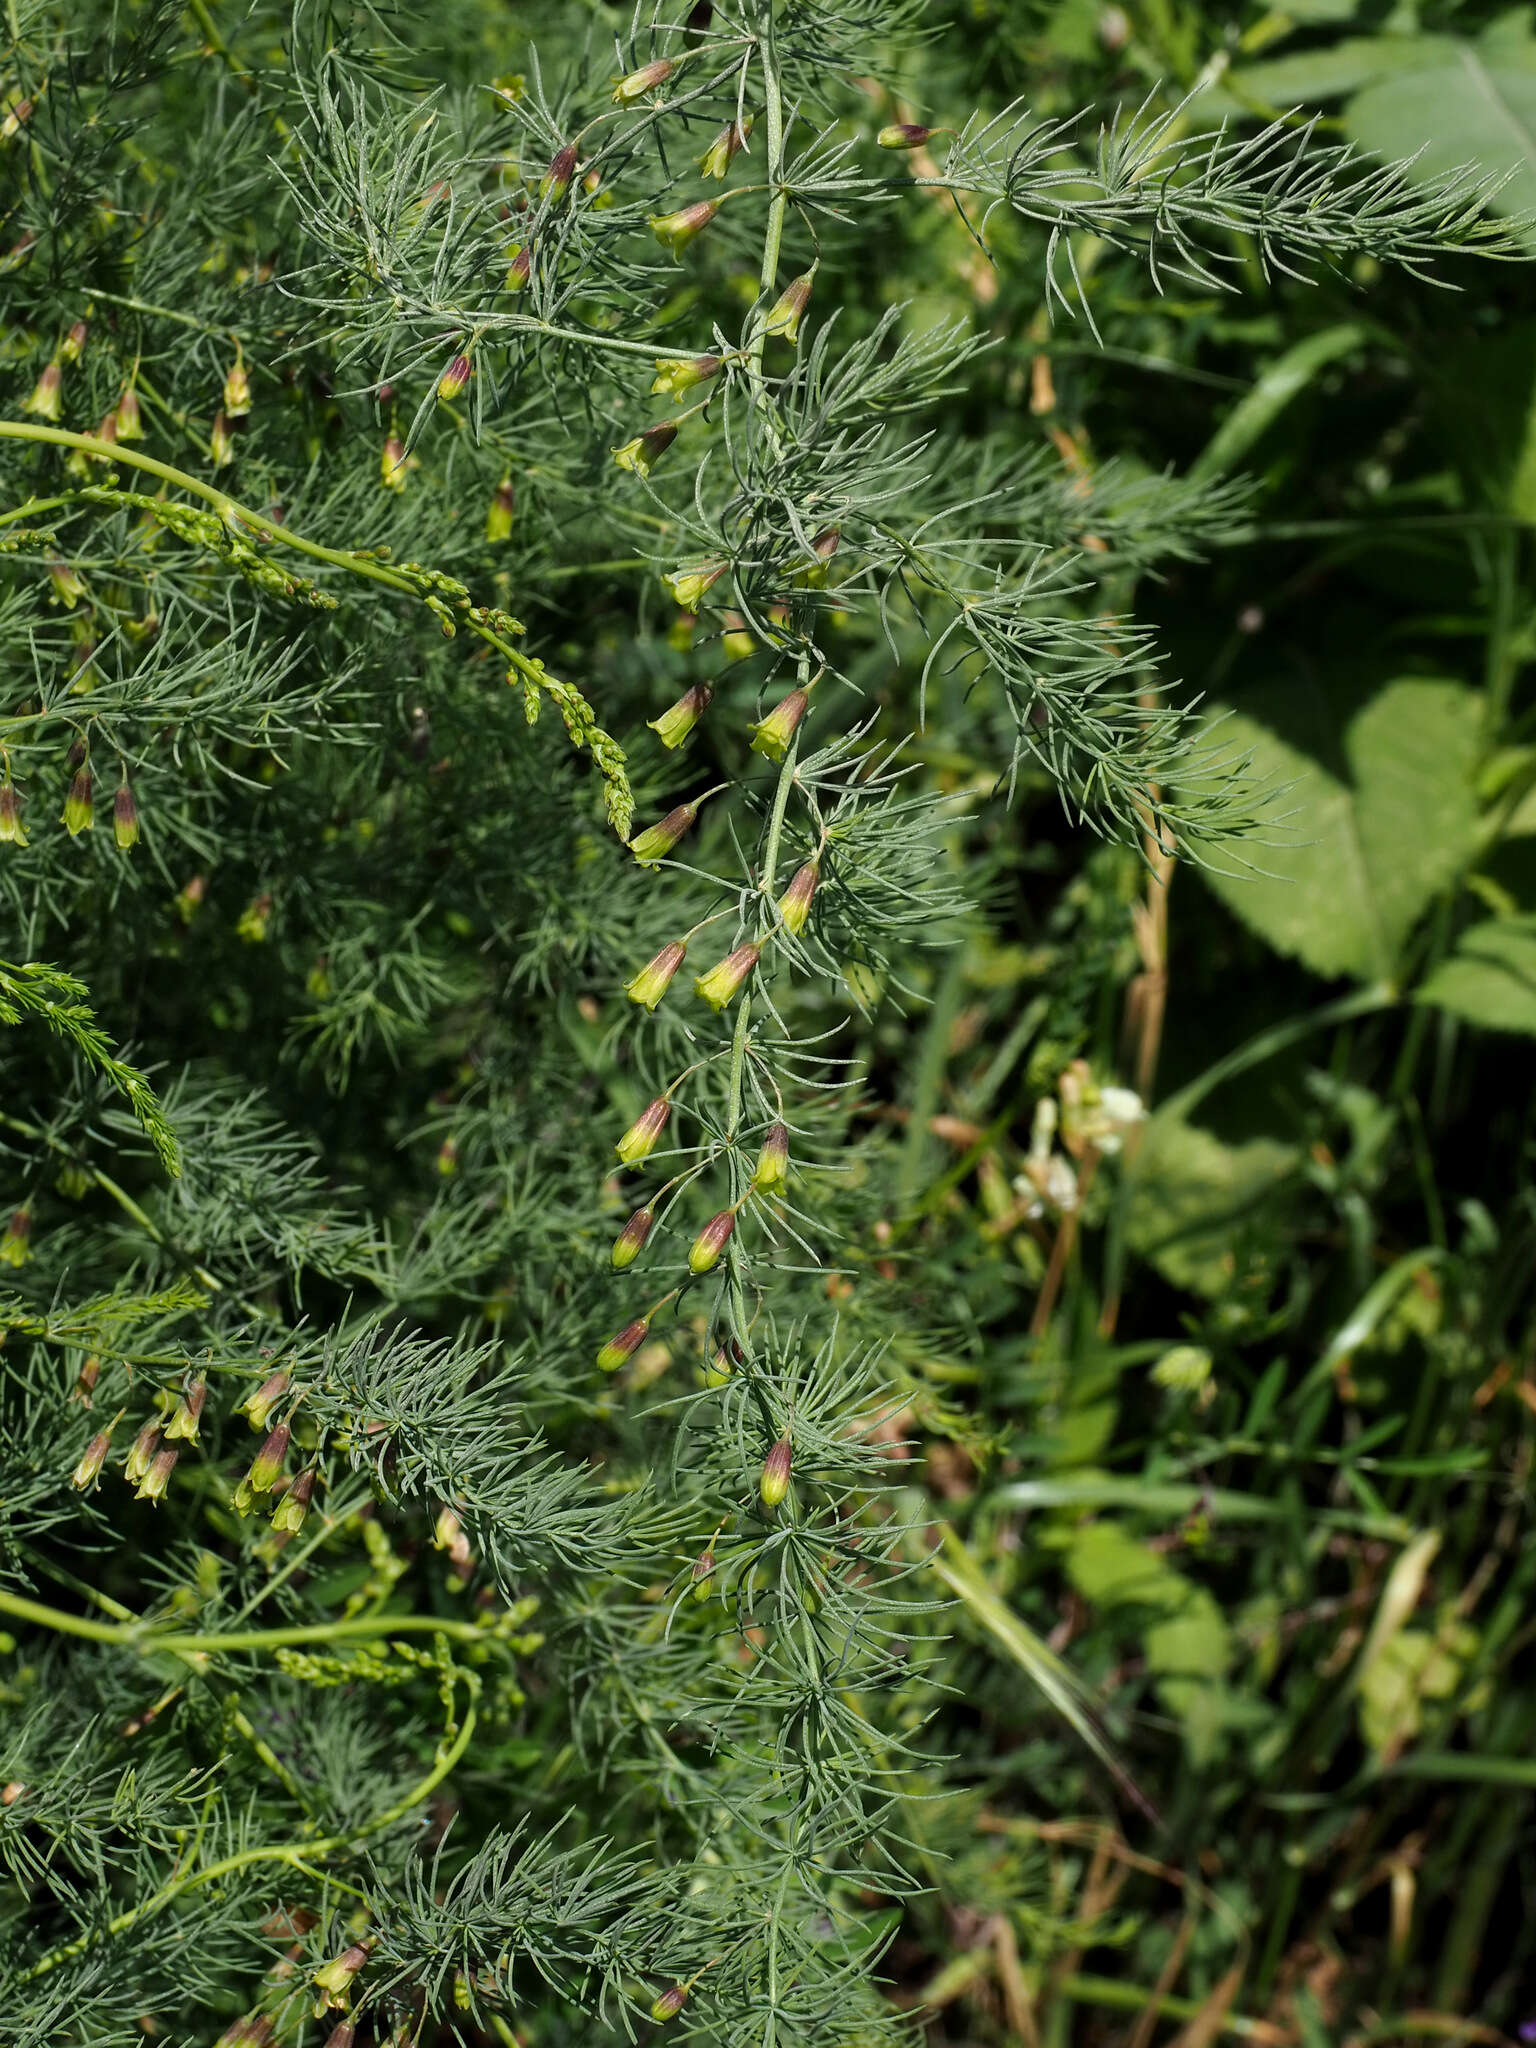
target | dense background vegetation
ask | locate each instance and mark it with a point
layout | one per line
(1203, 1706)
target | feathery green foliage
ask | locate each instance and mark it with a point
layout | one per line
(441, 1606)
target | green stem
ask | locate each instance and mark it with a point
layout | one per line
(606, 755)
(143, 1637)
(296, 1854)
(773, 238)
(121, 1196)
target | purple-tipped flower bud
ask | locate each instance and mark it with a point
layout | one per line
(904, 135)
(68, 584)
(795, 903)
(647, 448)
(251, 925)
(46, 400)
(448, 1534)
(622, 1347)
(79, 804)
(784, 314)
(711, 1241)
(221, 442)
(342, 2036)
(703, 1573)
(237, 390)
(92, 1458)
(676, 230)
(16, 1244)
(498, 516)
(679, 719)
(519, 267)
(454, 379)
(334, 1979)
(689, 585)
(655, 978)
(183, 1424)
(630, 1242)
(774, 1484)
(644, 1134)
(72, 347)
(130, 417)
(556, 181)
(257, 1407)
(125, 818)
(89, 1374)
(11, 828)
(725, 148)
(639, 83)
(395, 465)
(152, 1486)
(670, 2003)
(772, 1168)
(288, 1516)
(722, 981)
(657, 841)
(676, 375)
(141, 1453)
(772, 735)
(267, 1464)
(825, 546)
(253, 2031)
(106, 431)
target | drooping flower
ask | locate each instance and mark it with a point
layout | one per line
(650, 983)
(676, 230)
(678, 720)
(722, 981)
(676, 375)
(646, 449)
(725, 148)
(639, 83)
(644, 1134)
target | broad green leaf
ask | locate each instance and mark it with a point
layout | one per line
(1188, 1193)
(1473, 104)
(1384, 816)
(1311, 77)
(1284, 379)
(1184, 1634)
(1483, 389)
(1490, 979)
